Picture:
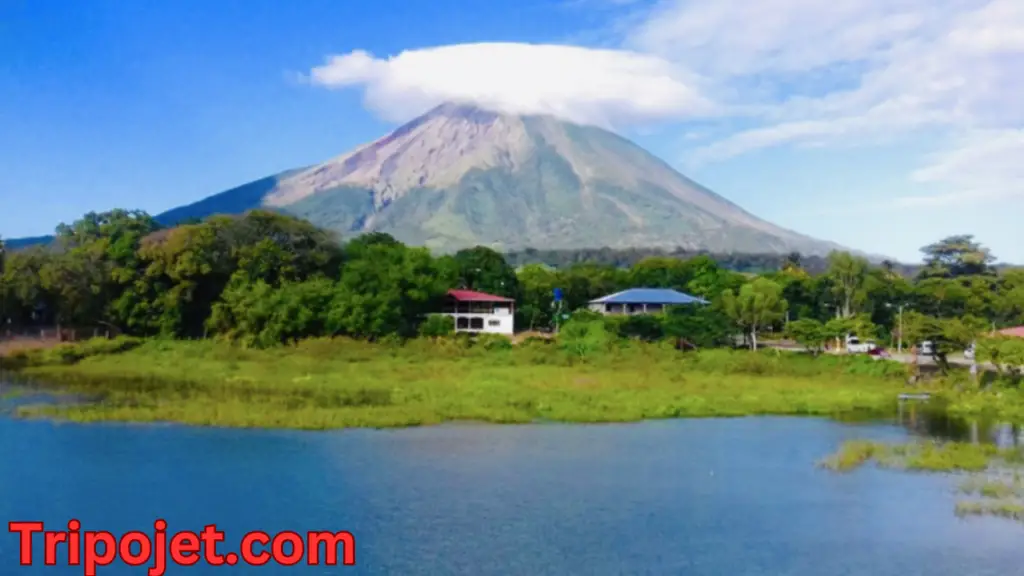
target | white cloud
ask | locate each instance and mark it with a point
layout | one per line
(585, 85)
(889, 68)
(983, 165)
(905, 64)
(738, 37)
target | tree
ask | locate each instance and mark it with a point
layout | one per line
(708, 279)
(847, 273)
(1007, 299)
(956, 256)
(537, 285)
(757, 305)
(941, 297)
(947, 335)
(258, 314)
(792, 260)
(1006, 353)
(701, 326)
(809, 333)
(386, 290)
(485, 270)
(584, 282)
(660, 272)
(25, 298)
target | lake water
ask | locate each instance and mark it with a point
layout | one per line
(718, 497)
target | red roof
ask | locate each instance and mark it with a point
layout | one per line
(1018, 331)
(471, 296)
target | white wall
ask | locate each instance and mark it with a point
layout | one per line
(493, 323)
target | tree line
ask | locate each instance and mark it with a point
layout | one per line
(738, 262)
(264, 278)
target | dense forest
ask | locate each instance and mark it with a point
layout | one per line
(747, 263)
(264, 278)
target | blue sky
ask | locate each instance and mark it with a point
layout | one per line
(883, 125)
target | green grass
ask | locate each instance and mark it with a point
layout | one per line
(323, 384)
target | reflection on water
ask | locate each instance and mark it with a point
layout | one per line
(934, 422)
(14, 395)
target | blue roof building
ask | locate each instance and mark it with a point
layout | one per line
(642, 301)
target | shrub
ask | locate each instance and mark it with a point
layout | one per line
(437, 325)
(583, 337)
(493, 342)
(647, 327)
(702, 326)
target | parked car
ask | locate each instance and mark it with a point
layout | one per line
(926, 348)
(855, 346)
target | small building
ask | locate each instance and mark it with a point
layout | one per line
(642, 301)
(479, 312)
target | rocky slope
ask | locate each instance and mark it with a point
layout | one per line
(460, 176)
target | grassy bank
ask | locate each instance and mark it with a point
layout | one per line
(323, 384)
(320, 384)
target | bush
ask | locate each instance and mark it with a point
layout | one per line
(583, 336)
(437, 326)
(808, 332)
(493, 342)
(647, 327)
(702, 326)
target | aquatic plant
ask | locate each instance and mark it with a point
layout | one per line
(1009, 510)
(928, 456)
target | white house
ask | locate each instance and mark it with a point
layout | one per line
(480, 313)
(642, 301)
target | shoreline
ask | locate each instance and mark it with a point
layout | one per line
(338, 384)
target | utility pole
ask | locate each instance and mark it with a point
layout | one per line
(899, 324)
(899, 342)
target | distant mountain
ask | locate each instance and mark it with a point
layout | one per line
(461, 176)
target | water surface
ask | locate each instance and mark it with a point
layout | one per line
(717, 497)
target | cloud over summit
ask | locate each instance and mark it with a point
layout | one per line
(595, 86)
(798, 72)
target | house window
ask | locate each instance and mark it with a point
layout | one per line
(462, 323)
(476, 323)
(493, 323)
(654, 307)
